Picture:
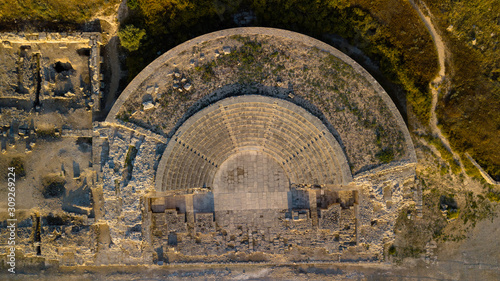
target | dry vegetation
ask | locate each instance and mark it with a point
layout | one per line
(56, 13)
(469, 111)
(389, 32)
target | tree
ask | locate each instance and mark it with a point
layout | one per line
(130, 37)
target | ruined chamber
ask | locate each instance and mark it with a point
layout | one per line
(251, 144)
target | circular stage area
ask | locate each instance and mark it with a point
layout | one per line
(250, 180)
(294, 139)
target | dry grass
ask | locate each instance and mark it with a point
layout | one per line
(63, 11)
(469, 112)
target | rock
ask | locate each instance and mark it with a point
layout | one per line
(226, 50)
(187, 86)
(148, 105)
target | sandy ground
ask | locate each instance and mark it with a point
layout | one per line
(47, 157)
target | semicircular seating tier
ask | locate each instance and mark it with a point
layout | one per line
(313, 76)
(285, 132)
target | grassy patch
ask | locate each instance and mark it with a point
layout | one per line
(471, 170)
(248, 59)
(476, 208)
(413, 235)
(386, 155)
(493, 196)
(445, 153)
(207, 71)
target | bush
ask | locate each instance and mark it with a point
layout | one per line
(131, 153)
(47, 133)
(386, 155)
(130, 37)
(18, 164)
(53, 186)
(392, 250)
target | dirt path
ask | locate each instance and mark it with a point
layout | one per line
(436, 85)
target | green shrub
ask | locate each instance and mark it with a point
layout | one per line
(130, 37)
(392, 250)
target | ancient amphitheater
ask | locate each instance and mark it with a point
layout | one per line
(247, 144)
(254, 140)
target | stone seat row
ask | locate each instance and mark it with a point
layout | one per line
(292, 140)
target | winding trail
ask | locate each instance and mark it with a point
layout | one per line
(436, 84)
